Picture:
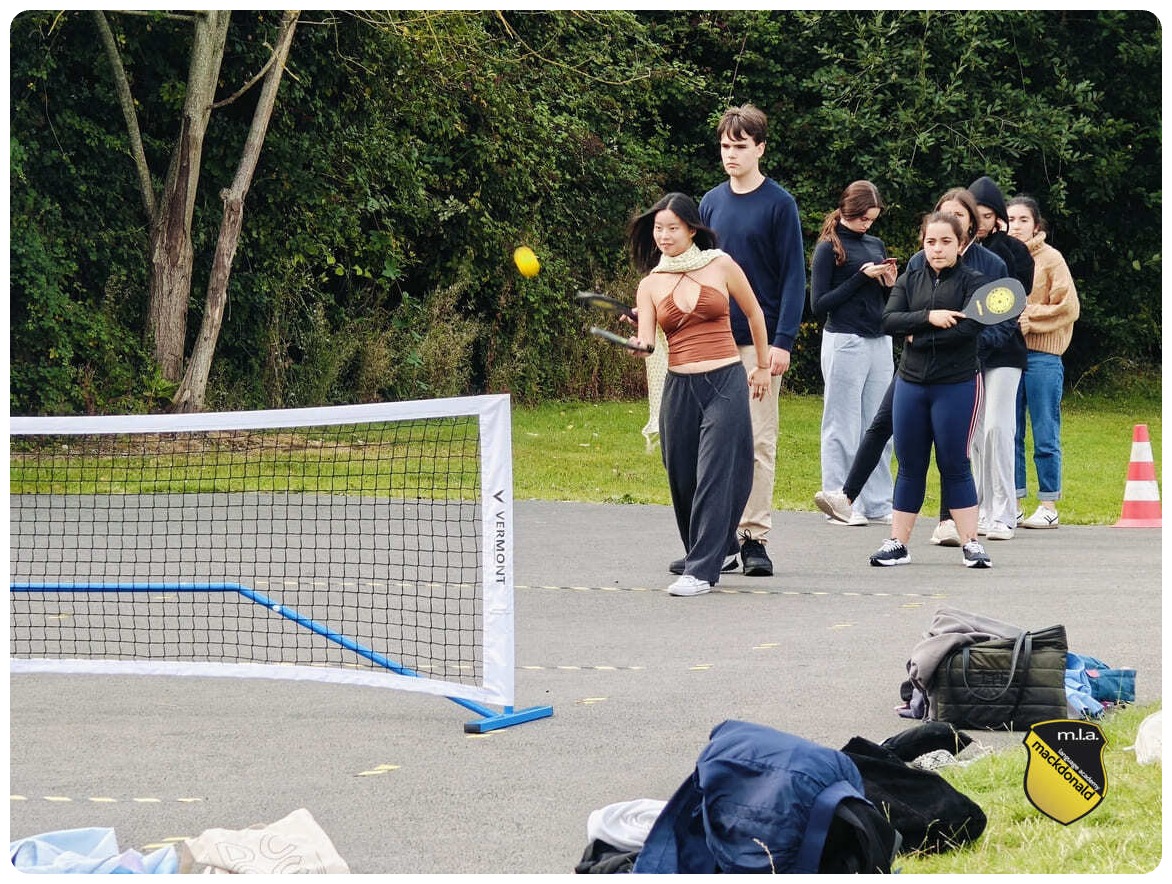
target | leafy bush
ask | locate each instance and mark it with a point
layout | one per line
(412, 151)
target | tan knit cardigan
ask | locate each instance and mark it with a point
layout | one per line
(1052, 307)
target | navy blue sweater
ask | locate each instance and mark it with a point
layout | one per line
(762, 232)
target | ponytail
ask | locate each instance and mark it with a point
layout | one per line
(830, 234)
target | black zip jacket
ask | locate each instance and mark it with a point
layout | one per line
(934, 355)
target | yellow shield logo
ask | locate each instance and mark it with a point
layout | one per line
(1065, 778)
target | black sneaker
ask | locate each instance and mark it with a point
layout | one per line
(730, 564)
(754, 558)
(892, 552)
(975, 555)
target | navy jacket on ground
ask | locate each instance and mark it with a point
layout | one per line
(758, 801)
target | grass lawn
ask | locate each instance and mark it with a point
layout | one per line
(595, 452)
(1121, 835)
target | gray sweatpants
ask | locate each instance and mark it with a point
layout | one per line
(707, 442)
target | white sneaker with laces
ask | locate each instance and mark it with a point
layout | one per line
(1043, 517)
(855, 520)
(835, 504)
(999, 531)
(689, 585)
(946, 534)
(982, 525)
(1019, 518)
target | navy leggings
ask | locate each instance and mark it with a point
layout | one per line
(941, 416)
(707, 441)
(871, 449)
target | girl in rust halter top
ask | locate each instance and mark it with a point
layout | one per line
(704, 427)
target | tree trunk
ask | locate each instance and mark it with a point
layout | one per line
(171, 250)
(193, 390)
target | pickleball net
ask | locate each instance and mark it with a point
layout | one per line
(367, 544)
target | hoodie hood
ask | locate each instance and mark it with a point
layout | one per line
(986, 192)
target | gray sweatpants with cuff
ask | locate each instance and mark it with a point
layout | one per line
(707, 442)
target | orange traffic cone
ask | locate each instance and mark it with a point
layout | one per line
(1141, 498)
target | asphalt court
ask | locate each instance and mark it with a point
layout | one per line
(636, 678)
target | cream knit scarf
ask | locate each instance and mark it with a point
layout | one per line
(692, 259)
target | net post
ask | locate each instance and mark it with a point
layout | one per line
(496, 442)
(506, 718)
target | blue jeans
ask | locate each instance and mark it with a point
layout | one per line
(1040, 392)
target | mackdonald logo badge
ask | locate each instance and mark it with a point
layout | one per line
(1065, 778)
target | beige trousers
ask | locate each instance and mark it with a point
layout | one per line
(758, 516)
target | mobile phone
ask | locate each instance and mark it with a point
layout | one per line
(889, 261)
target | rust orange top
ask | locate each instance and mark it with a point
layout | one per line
(704, 332)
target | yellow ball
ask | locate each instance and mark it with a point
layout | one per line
(526, 261)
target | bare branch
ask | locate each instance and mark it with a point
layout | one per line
(577, 69)
(191, 393)
(126, 100)
(177, 16)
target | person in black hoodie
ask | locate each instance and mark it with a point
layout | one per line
(993, 231)
(936, 390)
(1003, 358)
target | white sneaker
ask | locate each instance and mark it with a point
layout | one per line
(946, 534)
(1043, 517)
(1020, 518)
(982, 525)
(999, 531)
(882, 520)
(855, 520)
(835, 505)
(689, 585)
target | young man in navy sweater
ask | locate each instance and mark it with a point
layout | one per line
(757, 223)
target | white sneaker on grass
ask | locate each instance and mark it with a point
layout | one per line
(689, 585)
(1043, 517)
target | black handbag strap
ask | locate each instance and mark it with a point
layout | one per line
(1022, 647)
